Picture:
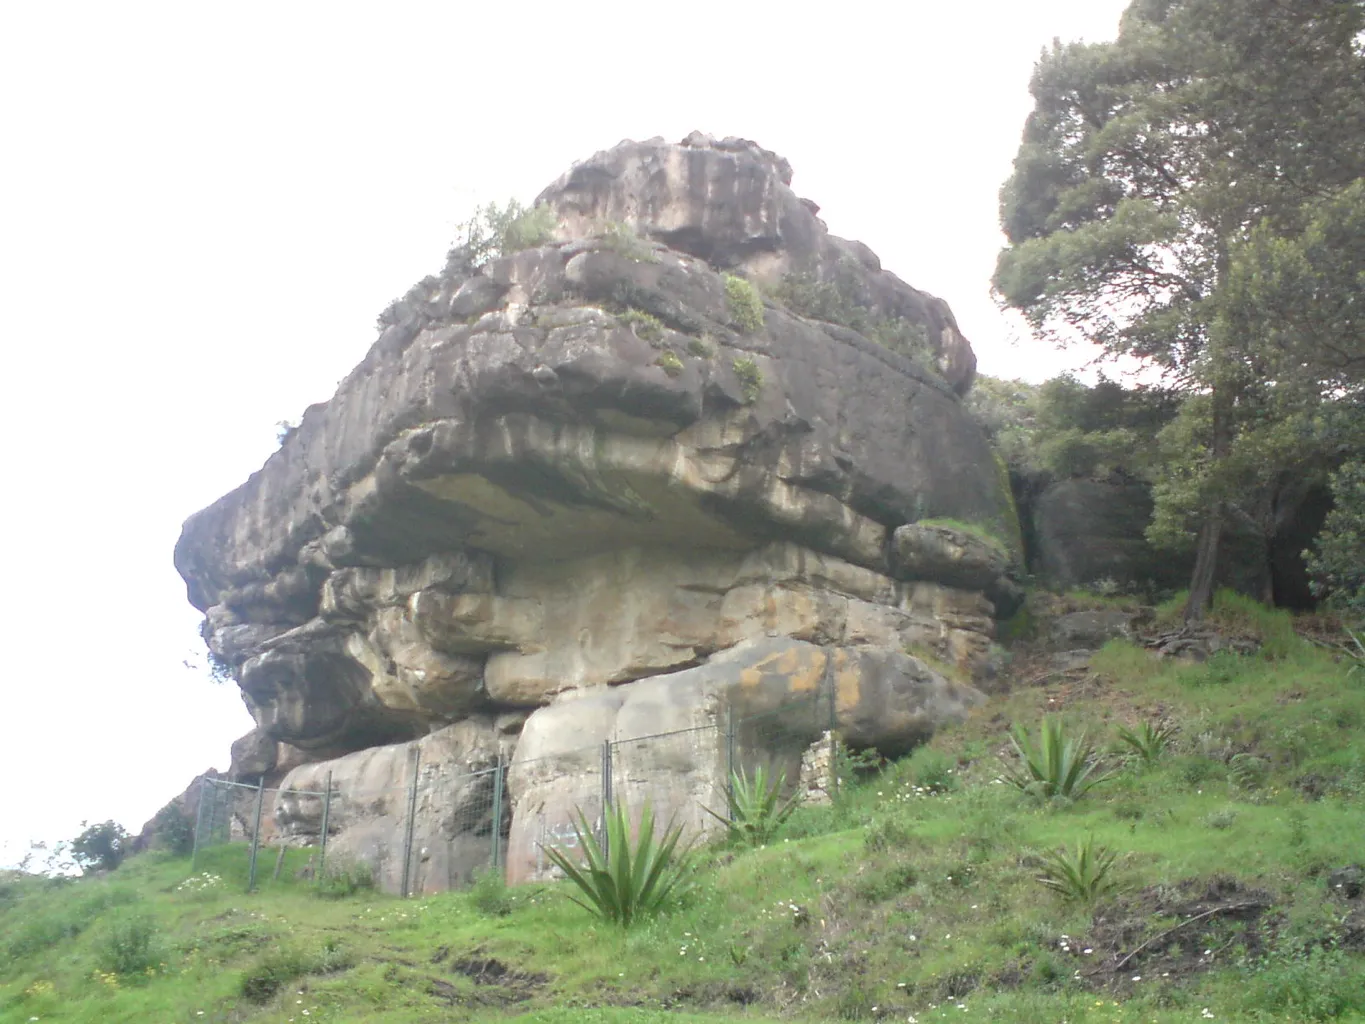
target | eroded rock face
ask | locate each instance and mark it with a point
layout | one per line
(581, 473)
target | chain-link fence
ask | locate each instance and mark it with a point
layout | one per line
(424, 827)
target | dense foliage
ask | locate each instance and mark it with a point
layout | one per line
(1064, 428)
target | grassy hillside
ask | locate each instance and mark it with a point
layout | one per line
(916, 898)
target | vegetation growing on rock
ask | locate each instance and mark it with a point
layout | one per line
(746, 305)
(670, 362)
(647, 326)
(750, 378)
(834, 301)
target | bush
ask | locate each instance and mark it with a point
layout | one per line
(645, 326)
(1306, 983)
(933, 770)
(100, 847)
(836, 302)
(1338, 562)
(496, 231)
(129, 946)
(750, 378)
(624, 240)
(669, 362)
(746, 305)
(58, 921)
(1067, 428)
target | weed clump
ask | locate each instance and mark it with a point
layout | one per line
(669, 362)
(645, 326)
(622, 239)
(835, 302)
(490, 894)
(346, 880)
(129, 946)
(273, 971)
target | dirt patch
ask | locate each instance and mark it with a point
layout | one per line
(1164, 933)
(488, 970)
(715, 995)
(495, 983)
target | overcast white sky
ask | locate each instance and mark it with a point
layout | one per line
(203, 207)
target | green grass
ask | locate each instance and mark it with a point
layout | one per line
(916, 893)
(976, 530)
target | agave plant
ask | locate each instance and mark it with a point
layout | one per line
(756, 809)
(1057, 765)
(622, 882)
(1081, 874)
(1147, 743)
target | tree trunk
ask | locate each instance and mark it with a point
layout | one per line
(1206, 555)
(1205, 566)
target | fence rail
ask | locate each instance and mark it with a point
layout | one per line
(633, 769)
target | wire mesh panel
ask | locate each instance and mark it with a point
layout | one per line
(677, 774)
(548, 794)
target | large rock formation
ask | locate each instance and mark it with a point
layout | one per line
(579, 492)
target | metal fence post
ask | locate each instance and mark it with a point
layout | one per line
(322, 844)
(204, 786)
(730, 757)
(218, 812)
(212, 797)
(412, 814)
(606, 798)
(498, 784)
(256, 836)
(833, 727)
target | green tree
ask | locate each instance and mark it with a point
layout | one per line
(1146, 163)
(100, 847)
